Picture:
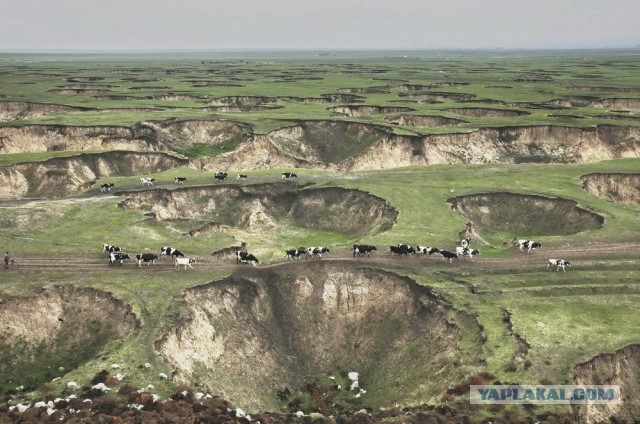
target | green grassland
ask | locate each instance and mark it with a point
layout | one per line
(560, 314)
(502, 82)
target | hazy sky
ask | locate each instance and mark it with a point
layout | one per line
(317, 24)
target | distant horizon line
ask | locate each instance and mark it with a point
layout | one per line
(312, 49)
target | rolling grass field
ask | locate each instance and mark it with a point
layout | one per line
(565, 317)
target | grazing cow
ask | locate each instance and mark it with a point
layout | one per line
(313, 251)
(288, 176)
(242, 177)
(117, 257)
(426, 249)
(220, 176)
(108, 249)
(466, 251)
(528, 244)
(558, 263)
(465, 243)
(292, 254)
(401, 249)
(363, 249)
(448, 256)
(246, 258)
(180, 180)
(170, 251)
(147, 258)
(186, 262)
(144, 181)
(106, 187)
(407, 247)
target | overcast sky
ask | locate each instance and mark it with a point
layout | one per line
(317, 24)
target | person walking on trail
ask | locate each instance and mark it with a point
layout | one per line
(7, 259)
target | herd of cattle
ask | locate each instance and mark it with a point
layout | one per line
(218, 177)
(117, 256)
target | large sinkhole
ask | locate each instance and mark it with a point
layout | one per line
(60, 326)
(617, 187)
(268, 205)
(263, 330)
(526, 214)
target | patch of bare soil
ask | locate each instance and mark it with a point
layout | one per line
(604, 88)
(59, 326)
(236, 109)
(63, 176)
(80, 91)
(240, 102)
(622, 368)
(626, 104)
(183, 135)
(369, 90)
(13, 111)
(538, 144)
(434, 97)
(617, 187)
(620, 117)
(174, 97)
(328, 98)
(486, 112)
(423, 120)
(263, 330)
(256, 206)
(525, 214)
(54, 138)
(361, 111)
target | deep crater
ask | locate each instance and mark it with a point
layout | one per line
(63, 176)
(525, 214)
(264, 330)
(362, 111)
(59, 326)
(486, 112)
(616, 186)
(267, 205)
(423, 120)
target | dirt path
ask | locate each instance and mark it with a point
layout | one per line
(604, 255)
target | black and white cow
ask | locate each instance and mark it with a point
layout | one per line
(220, 176)
(466, 251)
(170, 251)
(106, 187)
(465, 243)
(246, 258)
(427, 250)
(144, 181)
(108, 249)
(288, 176)
(147, 258)
(186, 262)
(363, 249)
(448, 256)
(117, 257)
(401, 249)
(242, 177)
(179, 180)
(558, 263)
(313, 251)
(292, 254)
(528, 244)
